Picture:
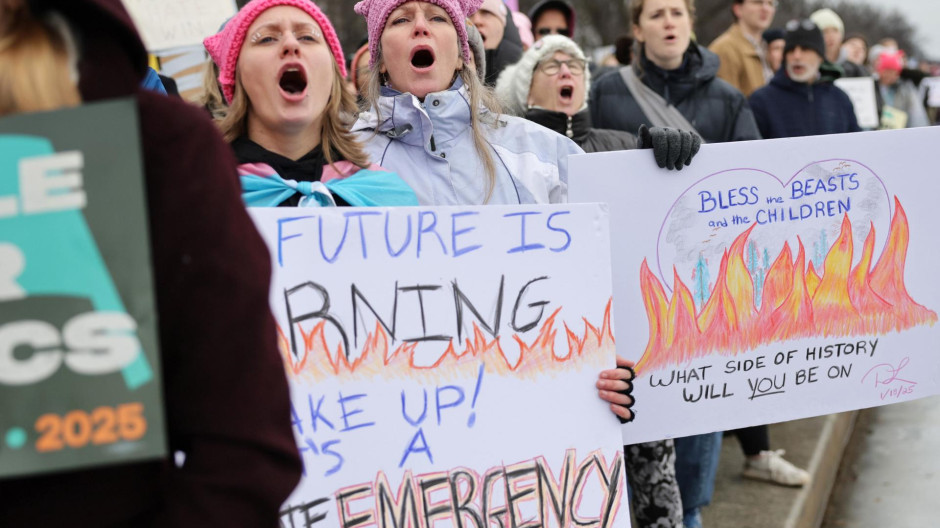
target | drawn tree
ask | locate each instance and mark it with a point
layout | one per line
(700, 277)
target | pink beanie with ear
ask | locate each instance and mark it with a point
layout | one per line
(376, 13)
(225, 46)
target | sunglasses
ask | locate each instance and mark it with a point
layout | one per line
(543, 31)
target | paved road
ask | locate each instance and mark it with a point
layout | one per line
(890, 477)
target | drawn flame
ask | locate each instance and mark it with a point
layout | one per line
(796, 301)
(377, 359)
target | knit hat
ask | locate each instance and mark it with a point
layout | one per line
(514, 83)
(376, 13)
(890, 60)
(827, 18)
(560, 5)
(772, 34)
(476, 46)
(497, 7)
(805, 34)
(225, 46)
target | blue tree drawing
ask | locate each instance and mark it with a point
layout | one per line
(701, 289)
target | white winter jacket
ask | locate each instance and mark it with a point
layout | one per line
(430, 145)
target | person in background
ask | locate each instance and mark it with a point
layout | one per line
(855, 50)
(833, 30)
(549, 86)
(552, 17)
(802, 100)
(773, 46)
(282, 72)
(740, 48)
(898, 94)
(429, 118)
(227, 404)
(500, 37)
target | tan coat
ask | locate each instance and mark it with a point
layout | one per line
(741, 65)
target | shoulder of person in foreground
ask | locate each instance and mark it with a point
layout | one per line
(226, 394)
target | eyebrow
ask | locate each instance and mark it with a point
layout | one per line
(294, 26)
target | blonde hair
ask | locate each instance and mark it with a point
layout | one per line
(480, 95)
(35, 68)
(211, 98)
(334, 136)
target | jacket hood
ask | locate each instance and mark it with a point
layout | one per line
(113, 60)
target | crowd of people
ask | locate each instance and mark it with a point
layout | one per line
(445, 102)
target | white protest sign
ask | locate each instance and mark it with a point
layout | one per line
(932, 85)
(442, 363)
(169, 24)
(861, 90)
(773, 280)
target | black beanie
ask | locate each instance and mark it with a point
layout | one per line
(805, 34)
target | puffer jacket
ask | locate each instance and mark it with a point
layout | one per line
(786, 108)
(716, 109)
(430, 145)
(579, 128)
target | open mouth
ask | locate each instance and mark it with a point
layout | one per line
(422, 58)
(566, 92)
(293, 81)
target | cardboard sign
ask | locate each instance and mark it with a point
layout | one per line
(169, 24)
(773, 280)
(79, 365)
(861, 90)
(442, 363)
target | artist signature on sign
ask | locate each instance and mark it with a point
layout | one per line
(887, 380)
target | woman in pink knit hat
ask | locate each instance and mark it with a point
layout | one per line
(281, 70)
(430, 119)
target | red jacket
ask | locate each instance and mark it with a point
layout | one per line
(227, 401)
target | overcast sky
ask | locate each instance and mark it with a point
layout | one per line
(923, 15)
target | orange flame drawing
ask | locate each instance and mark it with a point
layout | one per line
(378, 359)
(796, 301)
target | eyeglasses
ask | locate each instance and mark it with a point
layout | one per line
(769, 3)
(806, 24)
(543, 31)
(552, 66)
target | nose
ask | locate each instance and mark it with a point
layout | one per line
(564, 70)
(421, 25)
(290, 45)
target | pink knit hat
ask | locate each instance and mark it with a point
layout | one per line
(225, 46)
(890, 60)
(376, 13)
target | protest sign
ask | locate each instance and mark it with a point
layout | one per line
(932, 86)
(169, 24)
(861, 90)
(79, 366)
(442, 363)
(773, 280)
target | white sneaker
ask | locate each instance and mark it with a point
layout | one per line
(770, 466)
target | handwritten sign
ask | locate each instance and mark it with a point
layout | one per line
(932, 85)
(861, 90)
(79, 366)
(442, 364)
(169, 24)
(773, 280)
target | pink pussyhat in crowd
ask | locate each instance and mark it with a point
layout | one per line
(225, 46)
(890, 60)
(376, 14)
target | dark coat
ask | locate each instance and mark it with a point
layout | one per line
(578, 127)
(508, 52)
(226, 395)
(786, 108)
(716, 109)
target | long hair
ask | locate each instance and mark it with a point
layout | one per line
(35, 69)
(335, 137)
(480, 95)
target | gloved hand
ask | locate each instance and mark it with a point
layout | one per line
(672, 148)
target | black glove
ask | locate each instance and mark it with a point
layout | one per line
(672, 148)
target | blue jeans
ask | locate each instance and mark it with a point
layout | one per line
(696, 467)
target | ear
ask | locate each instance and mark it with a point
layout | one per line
(637, 33)
(736, 9)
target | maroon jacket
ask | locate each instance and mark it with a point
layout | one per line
(227, 401)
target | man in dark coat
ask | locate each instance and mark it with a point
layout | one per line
(226, 397)
(801, 99)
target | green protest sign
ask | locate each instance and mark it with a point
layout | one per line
(79, 364)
